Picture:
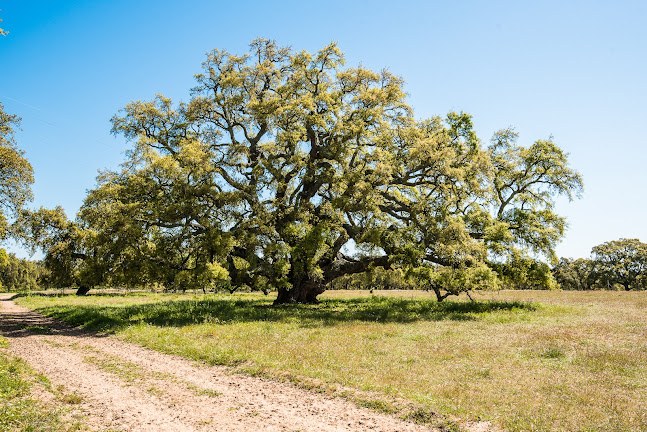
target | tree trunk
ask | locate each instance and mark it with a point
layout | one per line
(304, 292)
(439, 296)
(83, 290)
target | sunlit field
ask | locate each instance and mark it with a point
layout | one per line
(525, 360)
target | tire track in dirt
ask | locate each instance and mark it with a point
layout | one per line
(127, 387)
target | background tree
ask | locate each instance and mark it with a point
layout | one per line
(299, 171)
(576, 274)
(16, 174)
(622, 262)
(69, 258)
(16, 178)
(20, 274)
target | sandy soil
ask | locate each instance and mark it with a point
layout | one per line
(126, 387)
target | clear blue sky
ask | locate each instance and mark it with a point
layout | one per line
(576, 70)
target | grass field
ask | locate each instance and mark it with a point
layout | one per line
(572, 361)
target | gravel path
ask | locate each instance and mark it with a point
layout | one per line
(129, 388)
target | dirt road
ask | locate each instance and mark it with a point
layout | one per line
(122, 386)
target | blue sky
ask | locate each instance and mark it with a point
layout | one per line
(574, 70)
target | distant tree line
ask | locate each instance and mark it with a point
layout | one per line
(614, 265)
(522, 273)
(17, 274)
(619, 264)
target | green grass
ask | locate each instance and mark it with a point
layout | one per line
(18, 410)
(37, 329)
(524, 360)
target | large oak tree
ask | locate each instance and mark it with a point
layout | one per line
(287, 170)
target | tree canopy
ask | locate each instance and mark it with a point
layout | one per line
(3, 32)
(286, 170)
(615, 264)
(16, 178)
(622, 262)
(16, 174)
(20, 274)
(576, 274)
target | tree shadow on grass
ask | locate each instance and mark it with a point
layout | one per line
(178, 313)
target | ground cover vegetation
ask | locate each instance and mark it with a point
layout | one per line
(525, 360)
(286, 171)
(19, 410)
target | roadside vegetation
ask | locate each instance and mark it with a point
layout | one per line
(525, 360)
(19, 410)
